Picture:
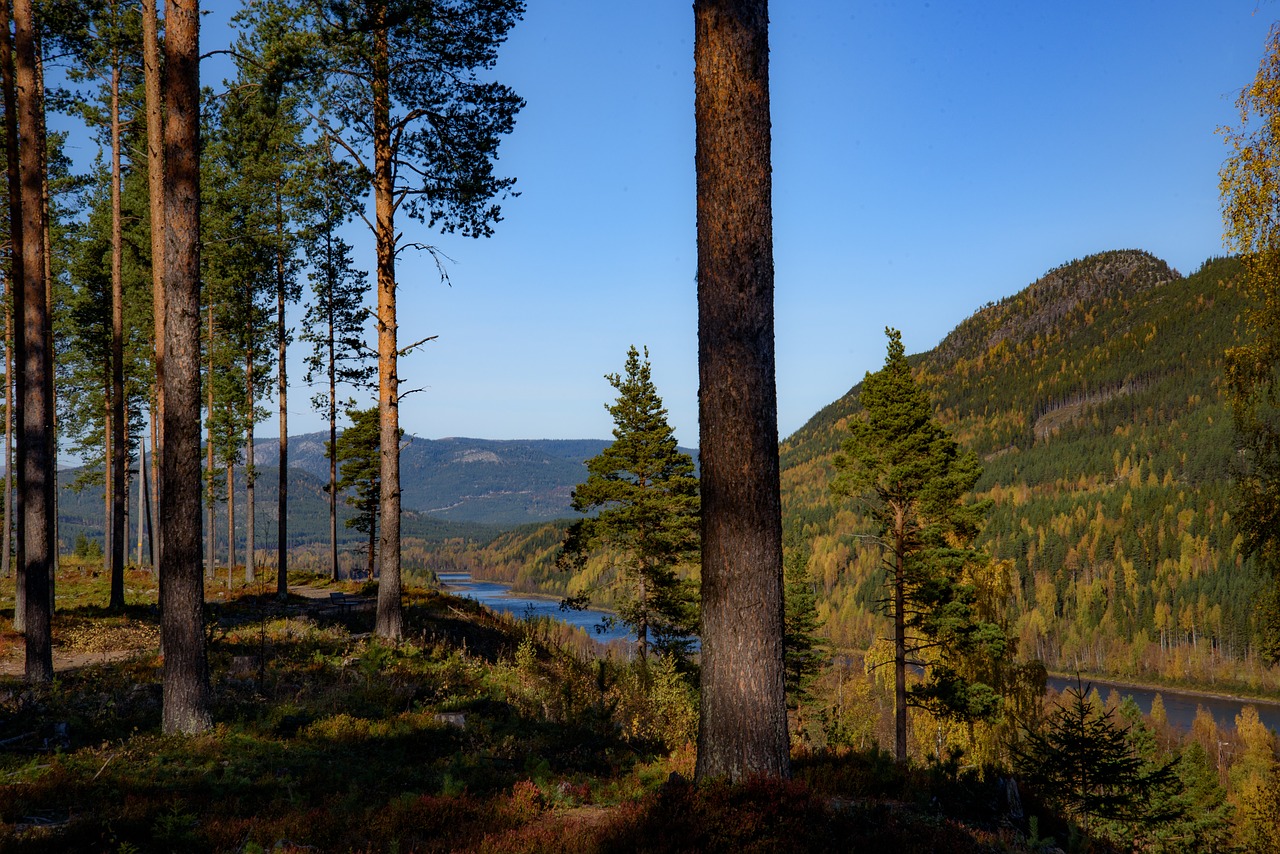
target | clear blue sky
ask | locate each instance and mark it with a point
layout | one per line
(928, 157)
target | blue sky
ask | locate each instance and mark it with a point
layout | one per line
(928, 157)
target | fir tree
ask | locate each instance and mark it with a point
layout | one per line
(646, 495)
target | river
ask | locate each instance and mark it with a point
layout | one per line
(498, 596)
(1179, 706)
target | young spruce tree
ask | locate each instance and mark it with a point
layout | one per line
(911, 479)
(647, 496)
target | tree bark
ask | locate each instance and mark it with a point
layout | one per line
(186, 672)
(282, 484)
(6, 550)
(743, 727)
(211, 561)
(250, 475)
(36, 475)
(152, 82)
(231, 523)
(389, 620)
(333, 434)
(17, 280)
(116, 446)
(899, 652)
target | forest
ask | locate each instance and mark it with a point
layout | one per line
(840, 636)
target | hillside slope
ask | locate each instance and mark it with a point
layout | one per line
(1094, 398)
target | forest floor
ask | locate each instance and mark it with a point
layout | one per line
(475, 733)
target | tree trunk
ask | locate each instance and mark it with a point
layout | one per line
(153, 497)
(142, 493)
(152, 69)
(51, 376)
(389, 620)
(333, 438)
(250, 475)
(186, 670)
(743, 726)
(210, 563)
(6, 550)
(17, 280)
(231, 523)
(36, 475)
(899, 655)
(117, 447)
(282, 484)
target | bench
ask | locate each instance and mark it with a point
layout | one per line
(341, 601)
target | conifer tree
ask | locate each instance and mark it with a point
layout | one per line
(401, 93)
(335, 318)
(359, 451)
(803, 653)
(644, 495)
(910, 478)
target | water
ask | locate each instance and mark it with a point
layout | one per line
(498, 596)
(1180, 707)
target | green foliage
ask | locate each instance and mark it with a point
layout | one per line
(802, 648)
(360, 471)
(1089, 765)
(645, 496)
(910, 479)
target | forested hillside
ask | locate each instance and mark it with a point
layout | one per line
(1094, 399)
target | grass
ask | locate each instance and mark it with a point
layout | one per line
(477, 732)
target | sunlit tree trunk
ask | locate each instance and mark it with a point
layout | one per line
(389, 620)
(333, 439)
(36, 474)
(116, 446)
(186, 673)
(151, 68)
(743, 722)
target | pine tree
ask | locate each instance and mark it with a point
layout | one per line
(335, 318)
(910, 478)
(645, 496)
(359, 450)
(186, 700)
(742, 730)
(400, 90)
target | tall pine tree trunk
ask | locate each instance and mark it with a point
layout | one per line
(282, 484)
(389, 620)
(743, 726)
(13, 412)
(6, 549)
(250, 475)
(211, 561)
(36, 475)
(116, 446)
(186, 671)
(152, 82)
(333, 431)
(231, 522)
(899, 654)
(51, 376)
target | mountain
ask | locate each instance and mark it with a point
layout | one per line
(1094, 398)
(468, 480)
